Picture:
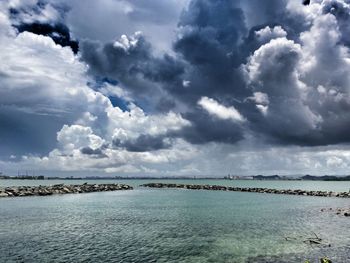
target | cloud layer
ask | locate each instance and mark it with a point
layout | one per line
(234, 82)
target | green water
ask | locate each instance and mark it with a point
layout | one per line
(170, 225)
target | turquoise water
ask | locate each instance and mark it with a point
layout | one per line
(170, 225)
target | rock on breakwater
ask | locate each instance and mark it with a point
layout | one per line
(60, 189)
(253, 190)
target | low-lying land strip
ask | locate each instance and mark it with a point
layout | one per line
(247, 189)
(60, 189)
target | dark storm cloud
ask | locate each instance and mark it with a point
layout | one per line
(44, 18)
(209, 49)
(58, 32)
(116, 60)
(216, 37)
(165, 104)
(130, 61)
(208, 40)
(95, 153)
(206, 129)
(308, 102)
(144, 143)
(213, 42)
(222, 21)
(208, 59)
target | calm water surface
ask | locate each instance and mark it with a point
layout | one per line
(170, 225)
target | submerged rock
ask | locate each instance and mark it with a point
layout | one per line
(338, 211)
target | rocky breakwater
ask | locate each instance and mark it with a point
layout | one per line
(60, 189)
(253, 190)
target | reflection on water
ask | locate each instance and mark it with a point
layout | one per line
(152, 225)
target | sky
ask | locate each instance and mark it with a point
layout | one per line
(174, 88)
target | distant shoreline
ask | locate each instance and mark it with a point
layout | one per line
(232, 178)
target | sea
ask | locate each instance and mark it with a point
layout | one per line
(175, 225)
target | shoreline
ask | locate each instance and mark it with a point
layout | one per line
(249, 189)
(59, 189)
(252, 178)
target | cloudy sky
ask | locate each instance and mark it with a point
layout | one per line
(176, 87)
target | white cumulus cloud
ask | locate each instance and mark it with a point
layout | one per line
(220, 111)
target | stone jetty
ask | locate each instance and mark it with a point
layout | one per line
(246, 189)
(60, 189)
